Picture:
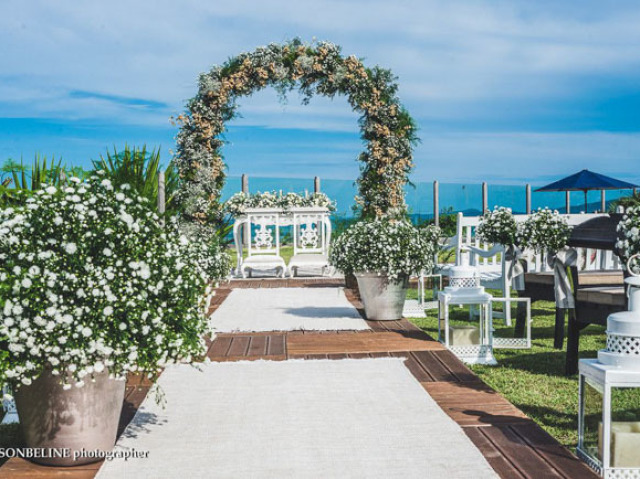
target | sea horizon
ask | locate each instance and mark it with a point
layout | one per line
(453, 197)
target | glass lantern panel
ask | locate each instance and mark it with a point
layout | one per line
(625, 427)
(509, 336)
(464, 325)
(592, 422)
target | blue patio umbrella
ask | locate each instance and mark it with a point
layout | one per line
(586, 180)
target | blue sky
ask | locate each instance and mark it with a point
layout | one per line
(503, 91)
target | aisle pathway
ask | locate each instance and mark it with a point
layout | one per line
(511, 444)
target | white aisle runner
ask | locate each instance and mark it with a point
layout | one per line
(286, 309)
(353, 418)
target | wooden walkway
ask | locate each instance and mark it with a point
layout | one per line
(513, 444)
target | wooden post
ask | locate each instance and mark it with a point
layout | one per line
(436, 203)
(162, 206)
(485, 197)
(558, 335)
(316, 184)
(245, 183)
(246, 234)
(567, 201)
(528, 207)
(603, 201)
(573, 344)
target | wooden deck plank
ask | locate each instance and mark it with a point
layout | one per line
(457, 394)
(277, 345)
(358, 343)
(474, 404)
(522, 456)
(494, 457)
(359, 355)
(257, 346)
(545, 445)
(414, 366)
(436, 370)
(219, 347)
(443, 366)
(239, 346)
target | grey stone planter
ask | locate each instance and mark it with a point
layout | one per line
(382, 299)
(79, 418)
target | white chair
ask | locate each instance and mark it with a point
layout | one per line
(263, 244)
(311, 239)
(488, 259)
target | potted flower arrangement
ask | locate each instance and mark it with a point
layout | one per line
(93, 289)
(382, 253)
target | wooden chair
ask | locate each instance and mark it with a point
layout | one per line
(597, 293)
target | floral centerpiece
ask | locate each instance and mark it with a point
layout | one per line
(382, 253)
(93, 288)
(239, 202)
(545, 230)
(498, 227)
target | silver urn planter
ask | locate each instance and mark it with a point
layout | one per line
(79, 418)
(382, 298)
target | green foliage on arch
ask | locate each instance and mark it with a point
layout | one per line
(388, 131)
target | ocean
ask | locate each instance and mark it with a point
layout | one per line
(454, 197)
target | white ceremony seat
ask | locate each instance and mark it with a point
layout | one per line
(263, 243)
(311, 238)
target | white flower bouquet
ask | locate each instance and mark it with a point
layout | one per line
(393, 248)
(498, 227)
(628, 243)
(90, 282)
(545, 230)
(203, 248)
(239, 202)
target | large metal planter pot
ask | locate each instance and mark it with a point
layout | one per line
(79, 418)
(382, 299)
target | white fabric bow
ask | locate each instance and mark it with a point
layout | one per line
(560, 261)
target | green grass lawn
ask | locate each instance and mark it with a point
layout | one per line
(533, 379)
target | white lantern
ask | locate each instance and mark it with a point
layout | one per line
(609, 404)
(472, 344)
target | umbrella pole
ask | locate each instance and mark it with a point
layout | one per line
(586, 205)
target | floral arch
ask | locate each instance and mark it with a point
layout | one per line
(388, 130)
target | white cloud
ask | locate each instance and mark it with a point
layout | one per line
(440, 49)
(518, 157)
(467, 62)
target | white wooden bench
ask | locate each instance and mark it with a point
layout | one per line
(490, 259)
